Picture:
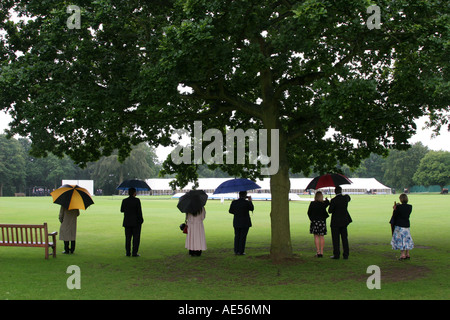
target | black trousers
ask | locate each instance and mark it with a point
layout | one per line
(240, 237)
(66, 246)
(338, 233)
(132, 234)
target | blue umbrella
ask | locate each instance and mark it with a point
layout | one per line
(236, 185)
(139, 185)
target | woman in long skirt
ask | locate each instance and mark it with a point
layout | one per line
(195, 238)
(401, 237)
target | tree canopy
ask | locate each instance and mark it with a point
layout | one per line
(400, 166)
(434, 168)
(20, 172)
(299, 67)
(12, 163)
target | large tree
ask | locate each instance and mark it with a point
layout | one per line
(434, 168)
(400, 166)
(12, 165)
(108, 172)
(299, 67)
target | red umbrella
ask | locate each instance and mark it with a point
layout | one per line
(328, 180)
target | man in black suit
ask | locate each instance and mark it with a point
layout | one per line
(340, 219)
(132, 221)
(241, 221)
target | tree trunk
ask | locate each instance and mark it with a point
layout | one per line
(281, 246)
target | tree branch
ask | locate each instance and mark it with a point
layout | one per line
(299, 81)
(221, 94)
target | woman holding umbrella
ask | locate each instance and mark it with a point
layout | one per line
(71, 198)
(195, 238)
(193, 205)
(68, 229)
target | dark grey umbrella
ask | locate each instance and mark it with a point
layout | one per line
(192, 201)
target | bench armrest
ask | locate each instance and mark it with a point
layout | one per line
(53, 234)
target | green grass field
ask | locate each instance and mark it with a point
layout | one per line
(166, 271)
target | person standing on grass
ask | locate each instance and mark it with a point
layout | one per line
(317, 213)
(340, 219)
(195, 238)
(132, 222)
(401, 237)
(241, 222)
(68, 229)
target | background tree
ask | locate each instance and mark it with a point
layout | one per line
(12, 166)
(372, 167)
(434, 169)
(301, 67)
(49, 172)
(108, 172)
(400, 166)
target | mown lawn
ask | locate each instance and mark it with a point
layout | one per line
(166, 271)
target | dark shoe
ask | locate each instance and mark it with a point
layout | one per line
(66, 247)
(136, 255)
(334, 257)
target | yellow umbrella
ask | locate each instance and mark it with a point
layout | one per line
(72, 197)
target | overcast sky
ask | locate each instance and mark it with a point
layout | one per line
(441, 142)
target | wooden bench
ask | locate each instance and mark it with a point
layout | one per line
(27, 235)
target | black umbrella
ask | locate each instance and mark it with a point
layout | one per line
(192, 201)
(139, 185)
(328, 180)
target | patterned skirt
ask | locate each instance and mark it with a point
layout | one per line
(401, 239)
(318, 227)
